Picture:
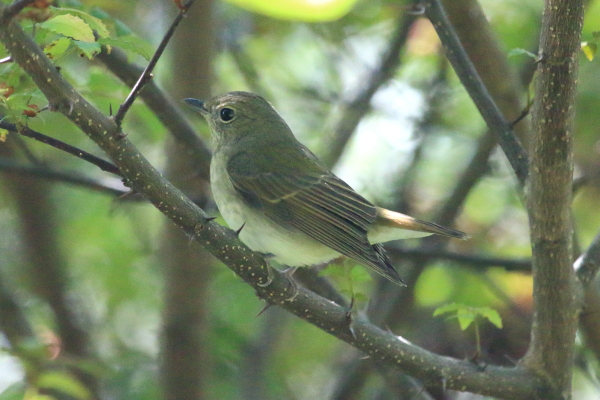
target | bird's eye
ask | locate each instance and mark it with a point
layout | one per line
(226, 114)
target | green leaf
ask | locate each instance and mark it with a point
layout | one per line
(88, 49)
(298, 10)
(63, 382)
(70, 26)
(359, 274)
(492, 316)
(58, 47)
(94, 23)
(466, 315)
(465, 318)
(131, 43)
(519, 52)
(331, 270)
(589, 49)
(452, 307)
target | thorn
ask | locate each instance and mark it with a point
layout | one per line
(238, 231)
(541, 58)
(125, 195)
(265, 308)
(121, 135)
(110, 112)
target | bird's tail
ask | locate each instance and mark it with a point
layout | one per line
(389, 225)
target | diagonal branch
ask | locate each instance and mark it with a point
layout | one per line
(356, 109)
(472, 82)
(67, 148)
(59, 176)
(147, 75)
(12, 10)
(163, 107)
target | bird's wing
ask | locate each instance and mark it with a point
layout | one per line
(317, 203)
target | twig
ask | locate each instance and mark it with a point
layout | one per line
(470, 260)
(356, 109)
(167, 112)
(13, 9)
(147, 74)
(84, 155)
(470, 79)
(58, 176)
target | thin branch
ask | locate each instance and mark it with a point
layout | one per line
(40, 137)
(167, 112)
(58, 176)
(147, 75)
(356, 109)
(468, 260)
(472, 82)
(13, 9)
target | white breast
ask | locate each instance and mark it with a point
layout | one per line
(288, 247)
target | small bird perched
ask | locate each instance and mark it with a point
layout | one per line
(287, 204)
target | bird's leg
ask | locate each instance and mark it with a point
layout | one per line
(289, 272)
(270, 276)
(349, 317)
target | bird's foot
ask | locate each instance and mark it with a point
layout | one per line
(293, 284)
(270, 275)
(349, 317)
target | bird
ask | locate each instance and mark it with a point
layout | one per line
(285, 202)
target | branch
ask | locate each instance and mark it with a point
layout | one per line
(58, 176)
(12, 10)
(356, 109)
(464, 259)
(163, 107)
(67, 148)
(223, 243)
(472, 82)
(556, 292)
(147, 74)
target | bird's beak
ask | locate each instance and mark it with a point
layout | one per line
(197, 104)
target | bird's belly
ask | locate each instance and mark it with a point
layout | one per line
(287, 245)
